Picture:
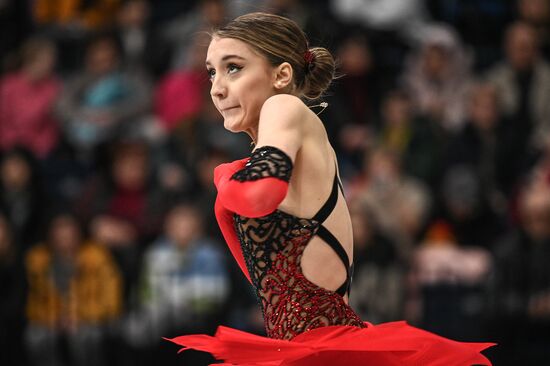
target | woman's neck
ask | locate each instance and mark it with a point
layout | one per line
(253, 133)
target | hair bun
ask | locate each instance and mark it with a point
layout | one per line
(319, 72)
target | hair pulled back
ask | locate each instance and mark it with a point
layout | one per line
(280, 40)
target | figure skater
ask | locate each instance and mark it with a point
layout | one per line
(284, 217)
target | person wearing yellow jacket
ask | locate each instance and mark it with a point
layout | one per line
(74, 293)
(87, 14)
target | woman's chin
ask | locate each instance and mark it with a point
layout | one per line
(232, 125)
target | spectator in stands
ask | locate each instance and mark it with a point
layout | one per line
(417, 141)
(22, 197)
(179, 97)
(522, 82)
(483, 36)
(128, 191)
(437, 76)
(185, 282)
(537, 14)
(124, 206)
(399, 203)
(521, 282)
(448, 283)
(105, 102)
(27, 98)
(378, 286)
(142, 48)
(466, 207)
(352, 106)
(484, 144)
(74, 295)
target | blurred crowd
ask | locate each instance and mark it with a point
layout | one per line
(108, 140)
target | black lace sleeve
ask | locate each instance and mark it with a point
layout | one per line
(266, 161)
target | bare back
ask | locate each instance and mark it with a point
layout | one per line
(310, 186)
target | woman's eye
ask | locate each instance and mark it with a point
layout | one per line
(232, 68)
(211, 73)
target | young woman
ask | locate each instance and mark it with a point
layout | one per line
(284, 217)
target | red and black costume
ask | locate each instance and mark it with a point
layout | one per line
(305, 324)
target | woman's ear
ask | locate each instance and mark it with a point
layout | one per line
(283, 76)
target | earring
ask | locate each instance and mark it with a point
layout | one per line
(322, 105)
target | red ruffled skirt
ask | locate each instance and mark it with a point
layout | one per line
(388, 344)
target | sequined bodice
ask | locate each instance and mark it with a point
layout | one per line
(273, 246)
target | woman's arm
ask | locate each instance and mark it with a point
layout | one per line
(225, 222)
(281, 124)
(257, 188)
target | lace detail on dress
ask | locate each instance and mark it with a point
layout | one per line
(273, 246)
(266, 161)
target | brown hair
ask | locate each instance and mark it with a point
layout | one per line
(280, 40)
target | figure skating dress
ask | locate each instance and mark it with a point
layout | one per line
(305, 324)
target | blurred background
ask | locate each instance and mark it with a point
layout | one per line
(108, 140)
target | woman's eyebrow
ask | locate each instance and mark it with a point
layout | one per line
(227, 57)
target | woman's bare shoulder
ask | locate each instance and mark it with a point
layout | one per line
(284, 106)
(284, 99)
(281, 124)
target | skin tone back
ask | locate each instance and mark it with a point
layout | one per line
(260, 99)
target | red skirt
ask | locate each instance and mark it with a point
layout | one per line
(388, 344)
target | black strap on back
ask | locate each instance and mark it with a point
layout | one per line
(330, 239)
(330, 203)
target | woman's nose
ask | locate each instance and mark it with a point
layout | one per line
(218, 89)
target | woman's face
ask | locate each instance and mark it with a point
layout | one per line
(242, 80)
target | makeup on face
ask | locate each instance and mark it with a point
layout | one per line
(242, 80)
